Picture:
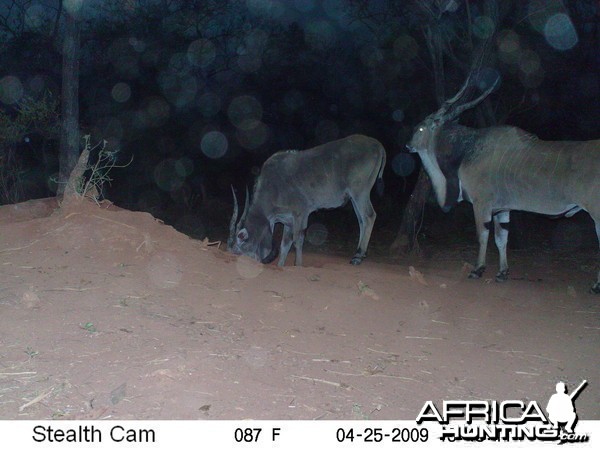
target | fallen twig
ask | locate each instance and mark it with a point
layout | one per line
(114, 221)
(425, 338)
(38, 399)
(318, 380)
(71, 289)
(10, 374)
(381, 351)
(368, 375)
(19, 248)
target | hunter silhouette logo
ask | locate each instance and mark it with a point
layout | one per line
(561, 408)
(509, 420)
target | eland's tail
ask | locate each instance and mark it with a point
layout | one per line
(379, 186)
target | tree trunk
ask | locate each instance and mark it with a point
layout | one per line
(69, 135)
(433, 37)
(406, 240)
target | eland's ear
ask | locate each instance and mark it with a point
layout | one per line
(242, 235)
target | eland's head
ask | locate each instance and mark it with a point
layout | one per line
(252, 234)
(425, 138)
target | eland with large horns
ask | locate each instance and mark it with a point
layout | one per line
(503, 168)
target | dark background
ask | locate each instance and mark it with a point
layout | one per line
(200, 93)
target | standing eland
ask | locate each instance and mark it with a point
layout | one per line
(293, 184)
(502, 168)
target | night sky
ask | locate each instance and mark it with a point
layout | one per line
(200, 93)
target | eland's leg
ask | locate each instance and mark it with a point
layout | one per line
(366, 218)
(595, 289)
(501, 221)
(300, 225)
(286, 243)
(483, 221)
(298, 242)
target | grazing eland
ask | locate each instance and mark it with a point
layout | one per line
(503, 168)
(293, 184)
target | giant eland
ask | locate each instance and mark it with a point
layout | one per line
(503, 168)
(292, 184)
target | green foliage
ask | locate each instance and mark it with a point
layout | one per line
(30, 115)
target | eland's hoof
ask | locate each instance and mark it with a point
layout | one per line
(595, 289)
(502, 276)
(356, 260)
(477, 273)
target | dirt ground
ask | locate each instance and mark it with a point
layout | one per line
(108, 313)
